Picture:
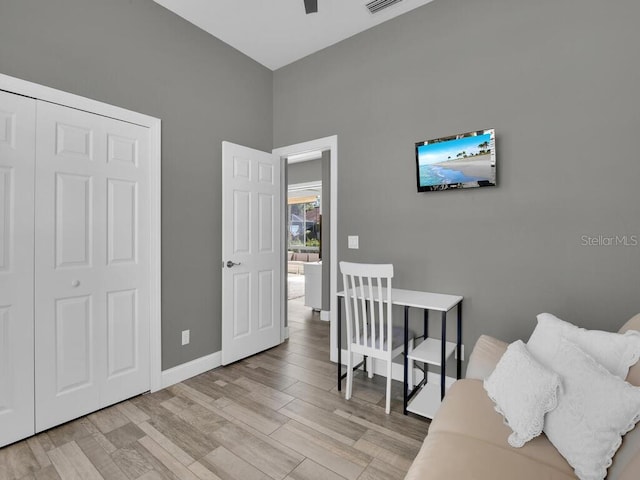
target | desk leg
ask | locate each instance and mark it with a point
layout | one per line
(406, 358)
(425, 330)
(339, 335)
(459, 345)
(443, 345)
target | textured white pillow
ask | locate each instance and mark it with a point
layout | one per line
(594, 410)
(616, 352)
(523, 391)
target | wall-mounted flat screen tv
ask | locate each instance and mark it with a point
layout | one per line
(466, 160)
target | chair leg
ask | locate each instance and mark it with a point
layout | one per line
(388, 404)
(347, 395)
(410, 367)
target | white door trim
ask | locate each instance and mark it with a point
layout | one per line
(331, 144)
(40, 92)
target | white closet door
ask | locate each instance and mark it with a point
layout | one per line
(91, 263)
(17, 153)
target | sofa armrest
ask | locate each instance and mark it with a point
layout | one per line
(634, 372)
(484, 357)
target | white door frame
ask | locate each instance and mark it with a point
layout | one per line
(331, 144)
(40, 92)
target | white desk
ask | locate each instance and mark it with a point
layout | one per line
(426, 352)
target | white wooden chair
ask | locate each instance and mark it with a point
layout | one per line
(370, 330)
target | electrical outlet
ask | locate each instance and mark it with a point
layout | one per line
(353, 241)
(185, 337)
(455, 353)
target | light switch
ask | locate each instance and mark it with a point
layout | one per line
(185, 337)
(353, 241)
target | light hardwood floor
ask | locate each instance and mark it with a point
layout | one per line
(276, 415)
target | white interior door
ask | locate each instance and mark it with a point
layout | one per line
(17, 155)
(91, 263)
(251, 254)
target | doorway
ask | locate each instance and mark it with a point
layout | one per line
(311, 149)
(307, 256)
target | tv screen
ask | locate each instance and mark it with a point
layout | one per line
(466, 160)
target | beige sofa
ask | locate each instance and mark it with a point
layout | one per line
(297, 260)
(467, 439)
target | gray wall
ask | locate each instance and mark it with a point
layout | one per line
(558, 80)
(303, 172)
(137, 55)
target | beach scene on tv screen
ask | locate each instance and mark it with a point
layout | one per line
(460, 162)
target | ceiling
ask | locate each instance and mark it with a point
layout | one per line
(278, 32)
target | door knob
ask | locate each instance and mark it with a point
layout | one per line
(231, 264)
(75, 283)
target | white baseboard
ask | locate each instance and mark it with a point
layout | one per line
(286, 332)
(397, 373)
(325, 315)
(191, 369)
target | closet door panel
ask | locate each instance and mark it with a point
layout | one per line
(67, 308)
(91, 263)
(127, 261)
(17, 154)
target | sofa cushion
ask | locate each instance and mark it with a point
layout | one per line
(452, 456)
(633, 377)
(615, 352)
(484, 357)
(468, 412)
(595, 409)
(523, 392)
(626, 462)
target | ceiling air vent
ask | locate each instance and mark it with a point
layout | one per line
(376, 5)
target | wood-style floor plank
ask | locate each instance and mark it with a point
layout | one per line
(47, 473)
(17, 461)
(131, 461)
(38, 452)
(167, 459)
(101, 459)
(228, 466)
(108, 419)
(330, 424)
(80, 462)
(274, 416)
(310, 470)
(275, 462)
(322, 449)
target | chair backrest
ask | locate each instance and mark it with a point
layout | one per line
(369, 320)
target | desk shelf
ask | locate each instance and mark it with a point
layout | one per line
(426, 402)
(429, 351)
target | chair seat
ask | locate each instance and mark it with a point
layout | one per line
(397, 338)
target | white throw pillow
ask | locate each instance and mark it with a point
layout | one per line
(616, 352)
(595, 408)
(523, 391)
